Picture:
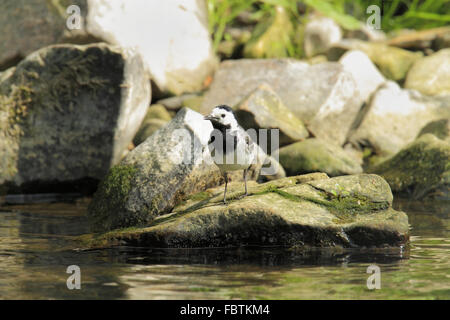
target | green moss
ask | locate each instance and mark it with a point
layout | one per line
(111, 197)
(419, 168)
(200, 196)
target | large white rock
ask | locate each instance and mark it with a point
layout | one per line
(171, 35)
(366, 75)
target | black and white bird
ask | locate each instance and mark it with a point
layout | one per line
(230, 146)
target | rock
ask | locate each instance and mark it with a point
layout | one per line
(30, 25)
(271, 38)
(395, 116)
(320, 34)
(350, 211)
(420, 169)
(158, 111)
(442, 41)
(418, 40)
(323, 96)
(365, 33)
(159, 173)
(175, 46)
(263, 109)
(234, 44)
(67, 113)
(366, 75)
(431, 83)
(314, 155)
(157, 116)
(148, 127)
(177, 102)
(439, 128)
(393, 62)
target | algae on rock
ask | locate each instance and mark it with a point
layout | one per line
(310, 210)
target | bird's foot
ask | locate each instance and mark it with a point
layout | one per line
(242, 196)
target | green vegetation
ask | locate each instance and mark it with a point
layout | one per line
(111, 197)
(396, 14)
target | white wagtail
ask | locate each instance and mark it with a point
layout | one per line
(230, 146)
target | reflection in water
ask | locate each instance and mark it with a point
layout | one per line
(36, 249)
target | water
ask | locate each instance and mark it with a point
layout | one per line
(36, 248)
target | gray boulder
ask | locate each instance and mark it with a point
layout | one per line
(166, 168)
(311, 210)
(67, 113)
(315, 155)
(394, 117)
(323, 96)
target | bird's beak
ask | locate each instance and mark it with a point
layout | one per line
(210, 118)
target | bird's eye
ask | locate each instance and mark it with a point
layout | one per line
(223, 115)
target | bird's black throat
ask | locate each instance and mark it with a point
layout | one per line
(220, 126)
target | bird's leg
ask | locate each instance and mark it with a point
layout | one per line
(225, 191)
(245, 182)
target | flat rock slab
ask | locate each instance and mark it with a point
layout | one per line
(310, 210)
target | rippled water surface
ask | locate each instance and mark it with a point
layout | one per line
(36, 248)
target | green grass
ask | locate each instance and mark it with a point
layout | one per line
(396, 14)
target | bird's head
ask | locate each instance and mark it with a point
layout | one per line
(222, 116)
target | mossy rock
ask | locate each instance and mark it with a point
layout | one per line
(349, 211)
(420, 169)
(111, 196)
(314, 155)
(166, 168)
